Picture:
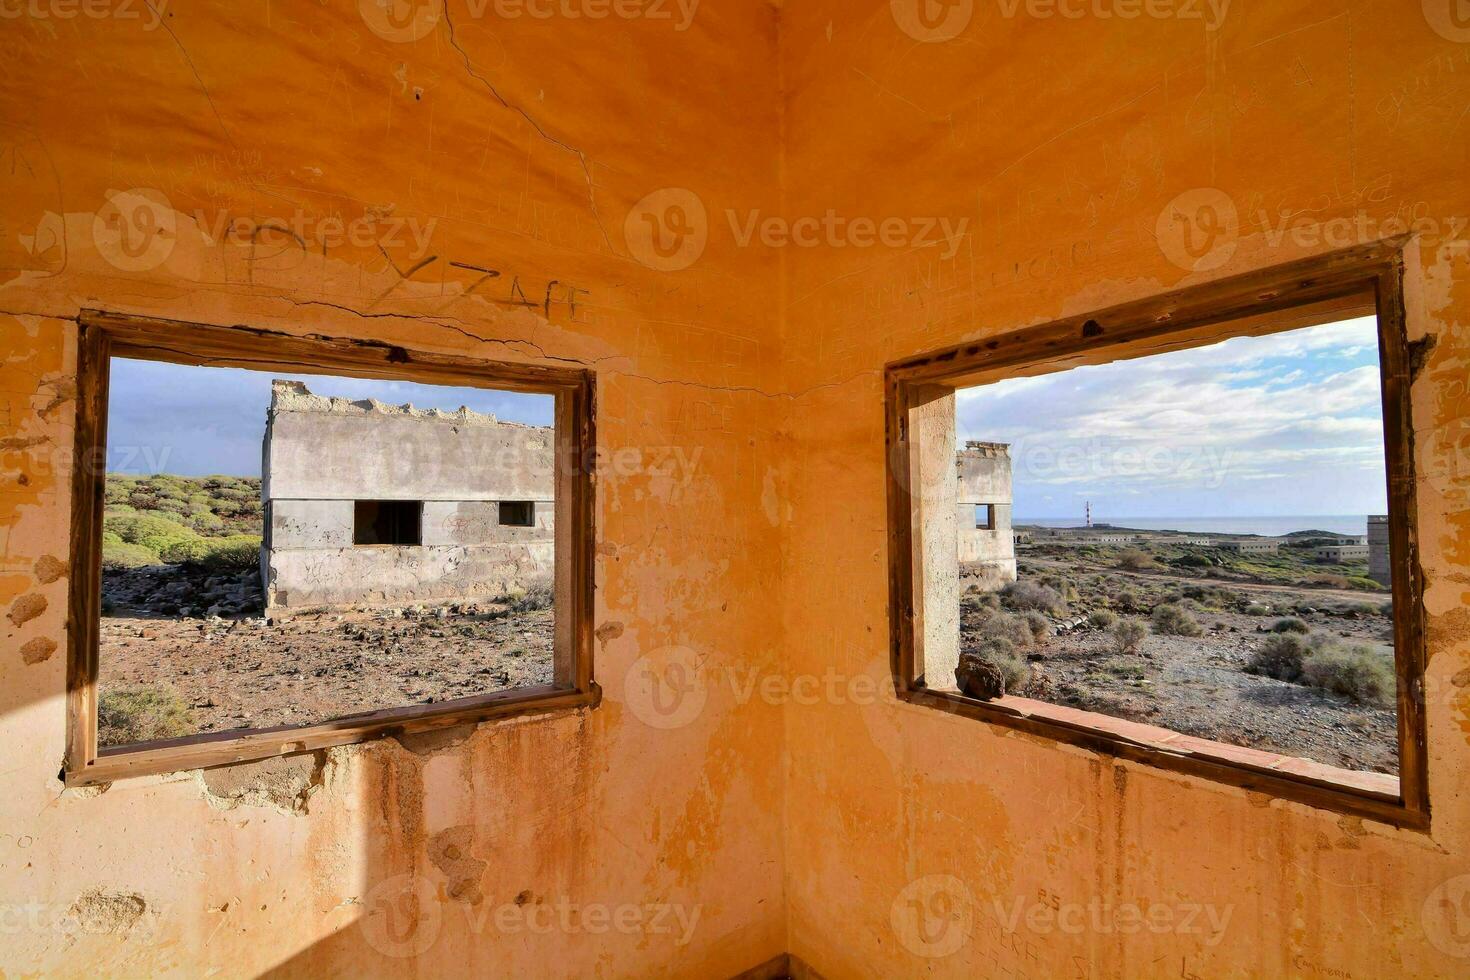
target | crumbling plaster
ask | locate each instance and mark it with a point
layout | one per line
(791, 825)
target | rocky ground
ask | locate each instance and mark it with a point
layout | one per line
(1199, 685)
(200, 642)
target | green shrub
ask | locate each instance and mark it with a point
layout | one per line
(1290, 624)
(1281, 657)
(121, 554)
(1170, 619)
(1357, 671)
(1101, 618)
(1128, 635)
(1257, 609)
(185, 550)
(141, 714)
(149, 530)
(235, 553)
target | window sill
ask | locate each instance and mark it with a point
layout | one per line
(213, 749)
(1373, 795)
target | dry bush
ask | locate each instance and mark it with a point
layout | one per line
(1357, 671)
(1290, 624)
(1128, 635)
(538, 595)
(1101, 618)
(1281, 657)
(1136, 559)
(141, 714)
(1002, 653)
(1023, 595)
(1170, 619)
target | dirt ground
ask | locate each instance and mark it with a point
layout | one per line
(1199, 685)
(250, 672)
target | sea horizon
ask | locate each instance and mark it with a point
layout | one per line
(1268, 525)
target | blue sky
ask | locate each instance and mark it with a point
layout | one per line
(201, 421)
(1288, 424)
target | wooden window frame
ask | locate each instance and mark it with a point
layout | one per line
(1358, 281)
(103, 335)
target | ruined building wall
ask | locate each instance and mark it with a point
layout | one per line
(465, 184)
(1068, 142)
(322, 455)
(984, 477)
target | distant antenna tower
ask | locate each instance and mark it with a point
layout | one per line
(1089, 513)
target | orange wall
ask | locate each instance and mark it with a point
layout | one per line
(785, 822)
(517, 144)
(1062, 140)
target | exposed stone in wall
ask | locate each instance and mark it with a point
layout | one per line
(286, 783)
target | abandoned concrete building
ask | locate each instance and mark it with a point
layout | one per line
(1379, 568)
(986, 544)
(779, 237)
(372, 503)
